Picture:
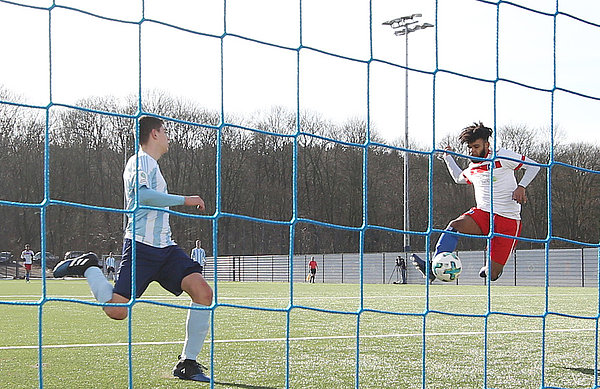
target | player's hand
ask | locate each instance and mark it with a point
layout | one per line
(519, 195)
(442, 156)
(194, 200)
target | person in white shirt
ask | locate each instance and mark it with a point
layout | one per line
(199, 255)
(507, 198)
(27, 256)
(110, 266)
(158, 257)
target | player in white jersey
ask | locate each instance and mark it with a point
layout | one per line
(158, 257)
(110, 266)
(27, 256)
(199, 255)
(507, 197)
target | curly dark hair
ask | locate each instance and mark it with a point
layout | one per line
(475, 131)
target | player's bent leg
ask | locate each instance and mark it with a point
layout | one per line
(496, 272)
(197, 325)
(447, 242)
(465, 224)
(197, 288)
(117, 313)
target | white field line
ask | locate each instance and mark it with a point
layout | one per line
(300, 339)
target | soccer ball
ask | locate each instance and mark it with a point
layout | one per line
(446, 266)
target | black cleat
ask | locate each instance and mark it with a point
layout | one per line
(76, 266)
(483, 273)
(188, 369)
(421, 266)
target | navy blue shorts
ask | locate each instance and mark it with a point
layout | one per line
(168, 266)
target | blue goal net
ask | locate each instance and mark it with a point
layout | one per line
(227, 49)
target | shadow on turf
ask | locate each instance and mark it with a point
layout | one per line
(243, 385)
(582, 370)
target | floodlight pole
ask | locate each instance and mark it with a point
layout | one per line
(406, 180)
(404, 26)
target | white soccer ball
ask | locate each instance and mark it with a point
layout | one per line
(446, 266)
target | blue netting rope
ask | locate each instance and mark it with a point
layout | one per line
(295, 219)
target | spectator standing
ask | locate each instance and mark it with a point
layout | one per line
(199, 255)
(312, 266)
(110, 266)
(27, 256)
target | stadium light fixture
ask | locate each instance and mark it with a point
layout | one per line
(404, 25)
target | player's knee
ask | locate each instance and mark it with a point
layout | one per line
(203, 295)
(457, 224)
(198, 289)
(116, 313)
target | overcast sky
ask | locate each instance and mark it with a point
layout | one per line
(96, 57)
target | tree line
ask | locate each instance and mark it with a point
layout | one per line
(261, 161)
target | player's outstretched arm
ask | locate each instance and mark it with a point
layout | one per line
(454, 170)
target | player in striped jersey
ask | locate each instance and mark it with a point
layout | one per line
(507, 198)
(158, 257)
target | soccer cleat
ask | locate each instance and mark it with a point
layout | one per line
(483, 272)
(421, 265)
(76, 266)
(188, 369)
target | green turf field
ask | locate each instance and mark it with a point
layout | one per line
(250, 346)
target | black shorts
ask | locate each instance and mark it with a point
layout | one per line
(168, 266)
(110, 269)
(313, 271)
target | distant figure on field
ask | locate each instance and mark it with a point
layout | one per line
(27, 256)
(312, 266)
(199, 255)
(401, 262)
(110, 266)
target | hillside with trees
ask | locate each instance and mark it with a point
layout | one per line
(248, 170)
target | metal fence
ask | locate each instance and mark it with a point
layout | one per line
(566, 267)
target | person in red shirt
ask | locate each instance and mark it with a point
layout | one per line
(312, 265)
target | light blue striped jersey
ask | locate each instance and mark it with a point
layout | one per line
(199, 255)
(151, 227)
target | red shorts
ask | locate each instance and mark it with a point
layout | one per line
(501, 247)
(28, 266)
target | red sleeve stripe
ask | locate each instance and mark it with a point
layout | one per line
(519, 165)
(466, 179)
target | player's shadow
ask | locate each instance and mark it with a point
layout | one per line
(243, 386)
(582, 370)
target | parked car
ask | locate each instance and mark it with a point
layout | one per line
(5, 256)
(50, 258)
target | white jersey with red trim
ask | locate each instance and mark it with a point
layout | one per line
(27, 256)
(504, 184)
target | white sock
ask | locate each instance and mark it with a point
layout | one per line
(196, 328)
(101, 288)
